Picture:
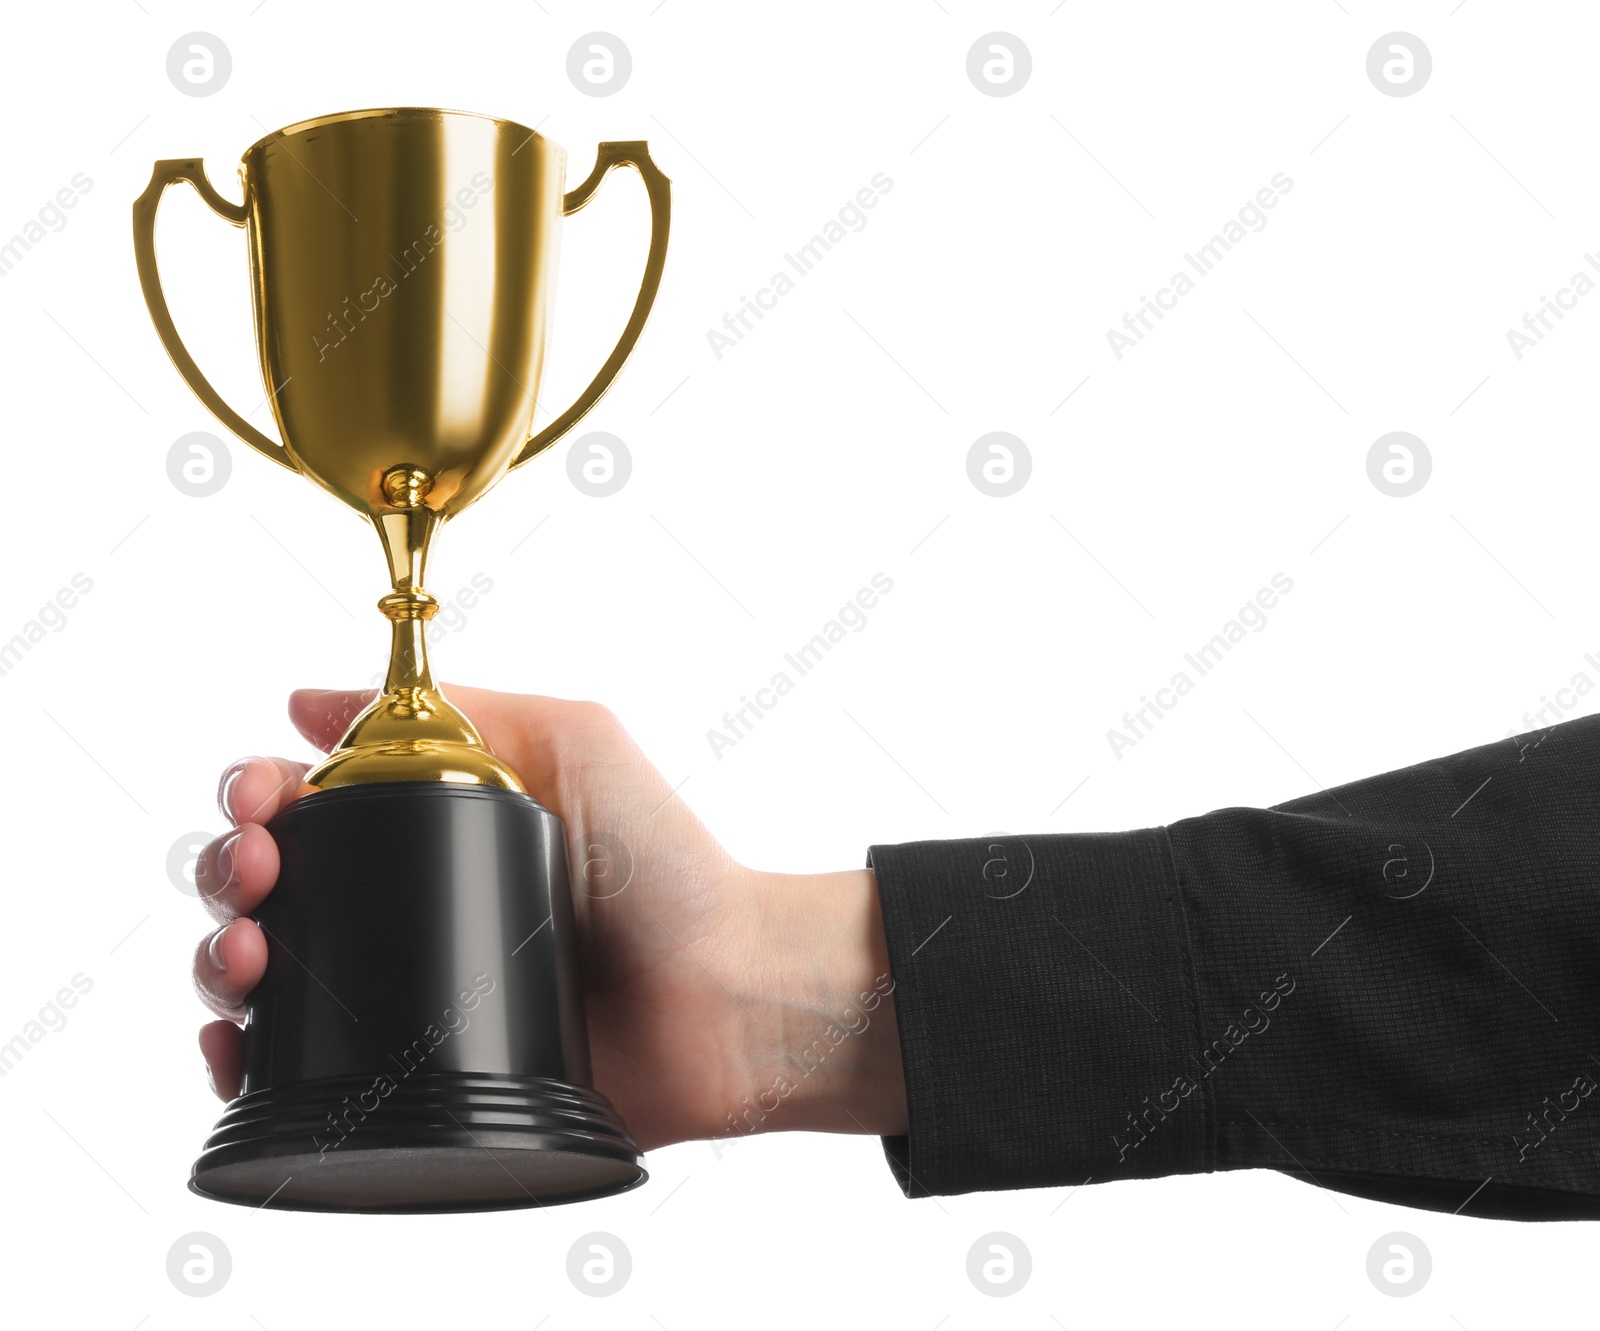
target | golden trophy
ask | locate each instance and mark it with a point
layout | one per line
(402, 266)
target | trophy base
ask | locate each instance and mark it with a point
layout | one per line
(418, 1041)
(441, 1143)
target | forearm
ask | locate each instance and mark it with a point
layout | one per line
(822, 1052)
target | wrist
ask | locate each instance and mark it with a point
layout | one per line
(821, 1051)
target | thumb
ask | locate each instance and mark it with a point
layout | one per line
(323, 715)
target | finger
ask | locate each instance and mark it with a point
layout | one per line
(254, 789)
(221, 1045)
(323, 715)
(228, 964)
(236, 871)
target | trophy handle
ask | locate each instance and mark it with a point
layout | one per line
(166, 173)
(634, 153)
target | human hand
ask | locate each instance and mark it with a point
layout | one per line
(708, 984)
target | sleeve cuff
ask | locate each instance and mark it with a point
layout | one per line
(1045, 1000)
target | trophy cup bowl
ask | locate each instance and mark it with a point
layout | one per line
(402, 266)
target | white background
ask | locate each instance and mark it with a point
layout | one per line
(767, 487)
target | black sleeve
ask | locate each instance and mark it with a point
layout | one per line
(1390, 988)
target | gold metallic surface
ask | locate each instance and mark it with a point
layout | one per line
(402, 266)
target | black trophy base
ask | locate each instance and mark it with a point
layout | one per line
(418, 1043)
(442, 1142)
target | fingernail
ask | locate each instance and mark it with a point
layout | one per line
(225, 787)
(226, 866)
(214, 948)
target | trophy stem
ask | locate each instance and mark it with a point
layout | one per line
(407, 533)
(409, 671)
(410, 731)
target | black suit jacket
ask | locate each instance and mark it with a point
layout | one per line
(1391, 988)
